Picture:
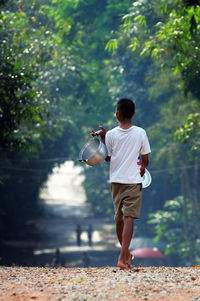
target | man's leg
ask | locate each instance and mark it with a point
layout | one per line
(119, 230)
(126, 237)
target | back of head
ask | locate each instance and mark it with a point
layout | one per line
(126, 107)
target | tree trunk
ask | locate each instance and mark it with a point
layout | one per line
(189, 191)
(185, 216)
(196, 188)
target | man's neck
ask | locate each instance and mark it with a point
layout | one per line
(125, 125)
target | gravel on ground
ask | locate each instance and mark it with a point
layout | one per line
(106, 283)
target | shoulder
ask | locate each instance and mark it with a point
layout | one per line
(111, 136)
(112, 131)
(139, 130)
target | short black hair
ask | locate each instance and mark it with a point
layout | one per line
(126, 107)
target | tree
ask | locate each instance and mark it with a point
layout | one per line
(174, 225)
(36, 123)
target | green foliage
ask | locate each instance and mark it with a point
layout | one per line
(174, 38)
(37, 78)
(189, 133)
(17, 102)
(24, 104)
(111, 45)
(170, 226)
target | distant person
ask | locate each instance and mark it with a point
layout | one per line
(86, 260)
(89, 232)
(78, 235)
(125, 143)
(56, 259)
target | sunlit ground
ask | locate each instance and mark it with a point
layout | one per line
(64, 191)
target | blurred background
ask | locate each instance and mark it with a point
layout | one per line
(63, 66)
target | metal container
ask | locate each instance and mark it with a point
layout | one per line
(93, 153)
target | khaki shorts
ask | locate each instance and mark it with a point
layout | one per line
(127, 200)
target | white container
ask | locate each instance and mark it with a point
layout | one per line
(146, 179)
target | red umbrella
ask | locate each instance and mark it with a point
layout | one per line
(147, 253)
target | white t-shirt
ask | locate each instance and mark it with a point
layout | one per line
(124, 148)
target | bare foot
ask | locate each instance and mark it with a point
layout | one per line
(124, 266)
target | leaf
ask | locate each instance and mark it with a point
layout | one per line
(138, 17)
(112, 45)
(134, 44)
(164, 8)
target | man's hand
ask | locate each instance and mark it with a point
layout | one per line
(142, 171)
(145, 162)
(101, 132)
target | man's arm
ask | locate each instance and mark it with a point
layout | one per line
(144, 164)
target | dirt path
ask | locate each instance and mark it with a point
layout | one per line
(108, 283)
